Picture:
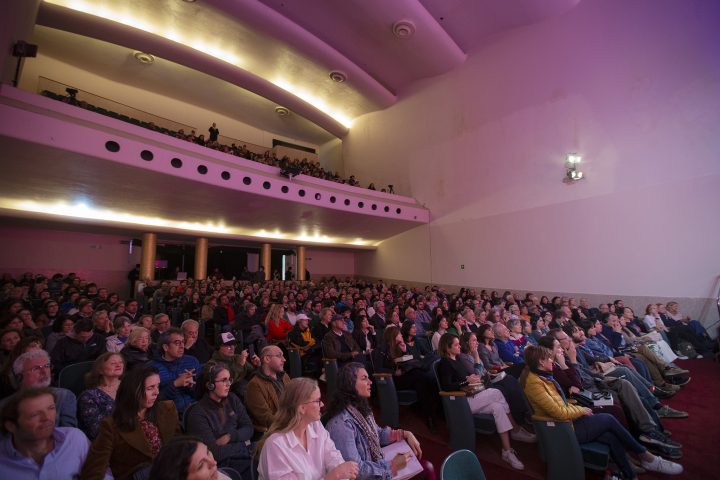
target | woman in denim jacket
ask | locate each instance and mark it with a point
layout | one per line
(355, 433)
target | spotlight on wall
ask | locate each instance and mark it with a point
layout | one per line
(572, 174)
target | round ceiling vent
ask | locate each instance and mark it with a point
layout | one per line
(282, 111)
(144, 58)
(338, 76)
(403, 29)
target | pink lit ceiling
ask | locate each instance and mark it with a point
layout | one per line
(280, 52)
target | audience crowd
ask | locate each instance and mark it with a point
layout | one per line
(210, 359)
(288, 167)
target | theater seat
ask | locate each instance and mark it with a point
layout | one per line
(390, 399)
(566, 459)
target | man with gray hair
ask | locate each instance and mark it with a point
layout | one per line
(33, 370)
(378, 319)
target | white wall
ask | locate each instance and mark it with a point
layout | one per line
(632, 86)
(325, 263)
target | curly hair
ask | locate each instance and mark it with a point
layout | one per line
(346, 392)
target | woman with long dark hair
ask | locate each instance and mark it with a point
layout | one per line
(356, 434)
(139, 426)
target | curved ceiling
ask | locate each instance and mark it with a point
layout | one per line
(284, 51)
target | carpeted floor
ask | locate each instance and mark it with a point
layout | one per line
(699, 434)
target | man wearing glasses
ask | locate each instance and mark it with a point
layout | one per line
(33, 370)
(177, 370)
(263, 391)
(220, 420)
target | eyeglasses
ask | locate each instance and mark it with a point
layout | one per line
(318, 401)
(227, 381)
(39, 368)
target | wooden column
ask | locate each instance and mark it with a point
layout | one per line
(201, 253)
(265, 259)
(147, 257)
(301, 263)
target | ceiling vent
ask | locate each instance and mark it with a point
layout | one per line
(144, 58)
(282, 111)
(338, 76)
(403, 29)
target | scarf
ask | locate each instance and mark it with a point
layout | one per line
(549, 376)
(367, 425)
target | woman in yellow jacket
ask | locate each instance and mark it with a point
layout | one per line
(549, 403)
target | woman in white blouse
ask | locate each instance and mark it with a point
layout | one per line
(297, 446)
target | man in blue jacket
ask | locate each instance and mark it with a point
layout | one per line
(177, 370)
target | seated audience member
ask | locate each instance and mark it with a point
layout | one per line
(177, 370)
(508, 385)
(263, 391)
(84, 310)
(300, 337)
(679, 331)
(160, 325)
(219, 419)
(51, 314)
(116, 342)
(549, 403)
(32, 369)
(8, 339)
(241, 365)
(440, 327)
(139, 426)
(32, 446)
(408, 373)
(207, 311)
(459, 325)
(98, 401)
(102, 324)
(296, 444)
(81, 345)
(146, 321)
(516, 333)
(322, 327)
(194, 344)
(378, 319)
(339, 344)
(8, 384)
(364, 333)
(185, 458)
(135, 351)
(507, 349)
(453, 377)
(60, 329)
(357, 436)
(673, 318)
(224, 314)
(276, 325)
(132, 310)
(419, 348)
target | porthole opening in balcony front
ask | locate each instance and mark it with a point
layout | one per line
(398, 211)
(387, 209)
(301, 192)
(146, 155)
(202, 169)
(176, 163)
(225, 175)
(266, 185)
(347, 202)
(247, 180)
(112, 146)
(361, 204)
(284, 189)
(374, 206)
(333, 199)
(318, 196)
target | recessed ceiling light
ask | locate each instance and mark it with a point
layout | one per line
(189, 1)
(282, 111)
(403, 29)
(338, 76)
(144, 58)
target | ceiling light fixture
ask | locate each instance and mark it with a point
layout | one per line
(403, 29)
(282, 111)
(338, 76)
(144, 58)
(572, 174)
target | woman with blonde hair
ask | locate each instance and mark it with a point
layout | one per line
(135, 351)
(276, 326)
(297, 445)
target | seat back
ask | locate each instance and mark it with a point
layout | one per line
(461, 465)
(387, 396)
(185, 416)
(331, 371)
(72, 377)
(560, 449)
(294, 363)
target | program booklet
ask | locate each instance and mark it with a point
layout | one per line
(413, 466)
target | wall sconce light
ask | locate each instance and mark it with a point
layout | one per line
(572, 174)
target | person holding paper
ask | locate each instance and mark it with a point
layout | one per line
(355, 433)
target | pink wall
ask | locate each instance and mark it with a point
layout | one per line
(99, 258)
(322, 263)
(633, 87)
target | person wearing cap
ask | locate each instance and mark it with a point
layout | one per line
(339, 344)
(242, 366)
(300, 337)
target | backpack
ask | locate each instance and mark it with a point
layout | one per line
(686, 349)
